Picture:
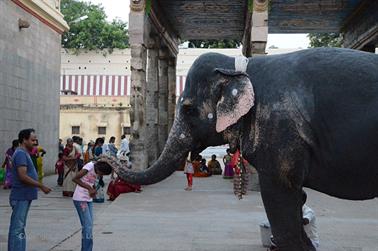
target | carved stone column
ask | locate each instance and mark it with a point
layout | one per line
(152, 98)
(171, 90)
(163, 97)
(138, 84)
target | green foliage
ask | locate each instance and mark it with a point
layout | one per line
(214, 43)
(94, 32)
(325, 39)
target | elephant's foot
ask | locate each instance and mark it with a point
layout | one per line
(300, 247)
(284, 210)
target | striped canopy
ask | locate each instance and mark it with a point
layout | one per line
(105, 85)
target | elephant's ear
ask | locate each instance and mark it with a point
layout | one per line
(237, 98)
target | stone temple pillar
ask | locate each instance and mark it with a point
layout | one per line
(137, 101)
(153, 83)
(171, 90)
(137, 31)
(163, 98)
(152, 98)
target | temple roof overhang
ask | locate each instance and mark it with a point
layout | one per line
(224, 19)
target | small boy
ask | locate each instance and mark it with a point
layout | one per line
(59, 169)
(189, 171)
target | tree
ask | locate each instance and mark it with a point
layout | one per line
(225, 43)
(325, 39)
(92, 32)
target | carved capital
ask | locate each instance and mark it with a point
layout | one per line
(137, 5)
(260, 5)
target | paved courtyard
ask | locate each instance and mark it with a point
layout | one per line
(165, 217)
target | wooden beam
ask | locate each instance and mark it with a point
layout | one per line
(246, 41)
(164, 30)
(360, 29)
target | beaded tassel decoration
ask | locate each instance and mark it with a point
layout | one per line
(240, 179)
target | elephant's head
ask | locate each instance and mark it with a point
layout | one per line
(218, 92)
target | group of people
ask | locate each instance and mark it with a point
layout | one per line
(73, 157)
(79, 175)
(196, 167)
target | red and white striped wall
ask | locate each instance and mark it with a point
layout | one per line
(96, 85)
(105, 85)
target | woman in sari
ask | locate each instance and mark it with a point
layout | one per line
(70, 168)
(39, 161)
(8, 164)
(118, 186)
(88, 155)
(228, 167)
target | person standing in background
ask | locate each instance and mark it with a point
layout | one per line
(124, 150)
(88, 156)
(70, 157)
(112, 148)
(8, 164)
(189, 171)
(228, 168)
(105, 147)
(98, 149)
(34, 155)
(61, 146)
(59, 169)
(79, 152)
(40, 154)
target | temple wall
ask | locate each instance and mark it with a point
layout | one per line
(29, 80)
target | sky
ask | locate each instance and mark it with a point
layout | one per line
(120, 9)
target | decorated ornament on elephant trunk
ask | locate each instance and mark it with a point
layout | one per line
(240, 176)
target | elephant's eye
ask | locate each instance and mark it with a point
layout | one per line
(189, 110)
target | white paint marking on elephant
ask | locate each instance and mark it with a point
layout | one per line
(241, 63)
(234, 92)
(182, 136)
(182, 99)
(210, 116)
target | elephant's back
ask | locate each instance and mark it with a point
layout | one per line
(345, 116)
(338, 90)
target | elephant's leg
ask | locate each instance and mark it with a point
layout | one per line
(284, 210)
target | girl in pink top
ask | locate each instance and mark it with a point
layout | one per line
(82, 198)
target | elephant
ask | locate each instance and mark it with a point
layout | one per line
(303, 119)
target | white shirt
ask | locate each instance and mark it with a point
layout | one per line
(311, 228)
(79, 150)
(105, 148)
(124, 146)
(81, 193)
(188, 168)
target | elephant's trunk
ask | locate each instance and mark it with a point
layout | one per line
(175, 150)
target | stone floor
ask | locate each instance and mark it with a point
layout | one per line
(165, 217)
